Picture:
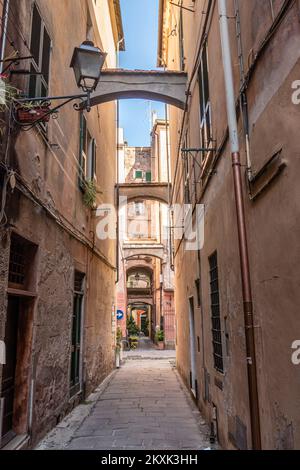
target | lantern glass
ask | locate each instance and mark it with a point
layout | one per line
(87, 63)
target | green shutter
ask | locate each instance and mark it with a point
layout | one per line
(148, 176)
(138, 174)
(81, 144)
(94, 159)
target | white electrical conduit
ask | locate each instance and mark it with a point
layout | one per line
(4, 33)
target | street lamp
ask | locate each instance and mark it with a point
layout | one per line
(87, 63)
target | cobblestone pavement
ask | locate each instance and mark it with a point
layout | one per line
(144, 406)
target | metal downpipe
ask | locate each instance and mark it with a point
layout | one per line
(242, 231)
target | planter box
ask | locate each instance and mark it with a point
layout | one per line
(160, 345)
(29, 116)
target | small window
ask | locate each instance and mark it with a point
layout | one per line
(138, 174)
(215, 313)
(40, 47)
(21, 263)
(148, 176)
(17, 262)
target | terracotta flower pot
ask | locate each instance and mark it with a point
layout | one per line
(30, 115)
(160, 345)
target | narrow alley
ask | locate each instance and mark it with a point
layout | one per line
(149, 226)
(143, 405)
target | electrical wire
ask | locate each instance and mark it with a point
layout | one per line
(14, 25)
(24, 187)
(6, 179)
(204, 18)
(3, 20)
(10, 172)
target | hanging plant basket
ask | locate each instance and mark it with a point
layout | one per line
(28, 115)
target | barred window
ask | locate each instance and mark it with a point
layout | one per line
(17, 262)
(76, 332)
(215, 313)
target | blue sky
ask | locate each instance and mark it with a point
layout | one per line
(140, 22)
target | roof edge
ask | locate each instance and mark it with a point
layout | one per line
(160, 62)
(117, 24)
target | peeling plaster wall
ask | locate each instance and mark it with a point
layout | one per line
(4, 259)
(61, 227)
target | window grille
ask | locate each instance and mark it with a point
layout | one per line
(215, 312)
(17, 262)
(76, 332)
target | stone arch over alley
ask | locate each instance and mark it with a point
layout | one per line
(154, 251)
(155, 191)
(166, 86)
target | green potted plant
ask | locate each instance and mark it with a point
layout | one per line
(159, 339)
(90, 194)
(132, 328)
(29, 112)
(8, 93)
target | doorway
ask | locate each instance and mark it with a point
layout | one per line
(9, 369)
(193, 376)
(14, 395)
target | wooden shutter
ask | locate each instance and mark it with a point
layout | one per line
(82, 145)
(94, 160)
(36, 35)
(46, 56)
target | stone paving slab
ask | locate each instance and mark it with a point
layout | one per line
(144, 405)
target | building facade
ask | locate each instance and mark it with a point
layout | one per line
(146, 279)
(211, 350)
(57, 278)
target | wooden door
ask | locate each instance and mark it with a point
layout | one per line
(9, 369)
